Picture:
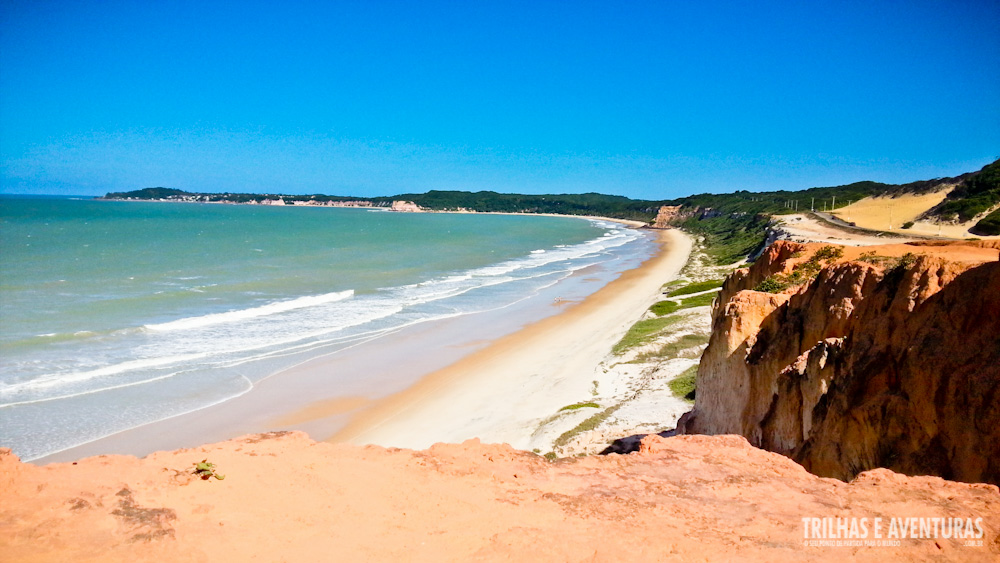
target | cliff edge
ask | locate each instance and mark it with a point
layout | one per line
(848, 359)
(287, 498)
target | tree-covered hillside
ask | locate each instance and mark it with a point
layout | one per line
(976, 194)
(618, 207)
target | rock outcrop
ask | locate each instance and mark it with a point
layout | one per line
(888, 357)
(405, 206)
(668, 215)
(287, 498)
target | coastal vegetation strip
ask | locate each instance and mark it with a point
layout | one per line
(663, 317)
(587, 425)
(635, 380)
(688, 345)
(695, 288)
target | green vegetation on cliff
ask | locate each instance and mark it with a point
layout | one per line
(975, 194)
(989, 226)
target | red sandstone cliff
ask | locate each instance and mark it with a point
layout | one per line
(867, 365)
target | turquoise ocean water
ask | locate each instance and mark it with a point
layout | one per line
(116, 314)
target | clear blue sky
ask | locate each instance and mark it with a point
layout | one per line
(645, 99)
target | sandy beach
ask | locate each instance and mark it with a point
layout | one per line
(490, 375)
(499, 394)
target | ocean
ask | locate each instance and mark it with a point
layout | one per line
(118, 314)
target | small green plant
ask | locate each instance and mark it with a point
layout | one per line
(906, 260)
(828, 254)
(206, 470)
(872, 258)
(683, 386)
(772, 284)
(581, 405)
(908, 224)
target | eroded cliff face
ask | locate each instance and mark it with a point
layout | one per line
(879, 362)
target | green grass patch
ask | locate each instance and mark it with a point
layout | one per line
(642, 332)
(662, 308)
(585, 426)
(696, 288)
(683, 386)
(698, 301)
(581, 405)
(673, 349)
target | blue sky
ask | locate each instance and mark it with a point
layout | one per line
(646, 99)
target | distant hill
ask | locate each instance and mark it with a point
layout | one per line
(977, 194)
(149, 193)
(733, 224)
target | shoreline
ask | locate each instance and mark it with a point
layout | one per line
(502, 392)
(633, 223)
(288, 399)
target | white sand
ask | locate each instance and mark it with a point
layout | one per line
(802, 228)
(502, 392)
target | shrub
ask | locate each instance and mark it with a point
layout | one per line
(684, 385)
(773, 284)
(828, 254)
(988, 226)
(908, 224)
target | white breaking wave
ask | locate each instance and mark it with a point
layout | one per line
(241, 336)
(62, 379)
(244, 314)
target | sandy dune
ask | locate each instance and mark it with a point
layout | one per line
(890, 213)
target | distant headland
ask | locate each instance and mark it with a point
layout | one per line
(734, 225)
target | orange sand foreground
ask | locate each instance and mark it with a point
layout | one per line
(287, 498)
